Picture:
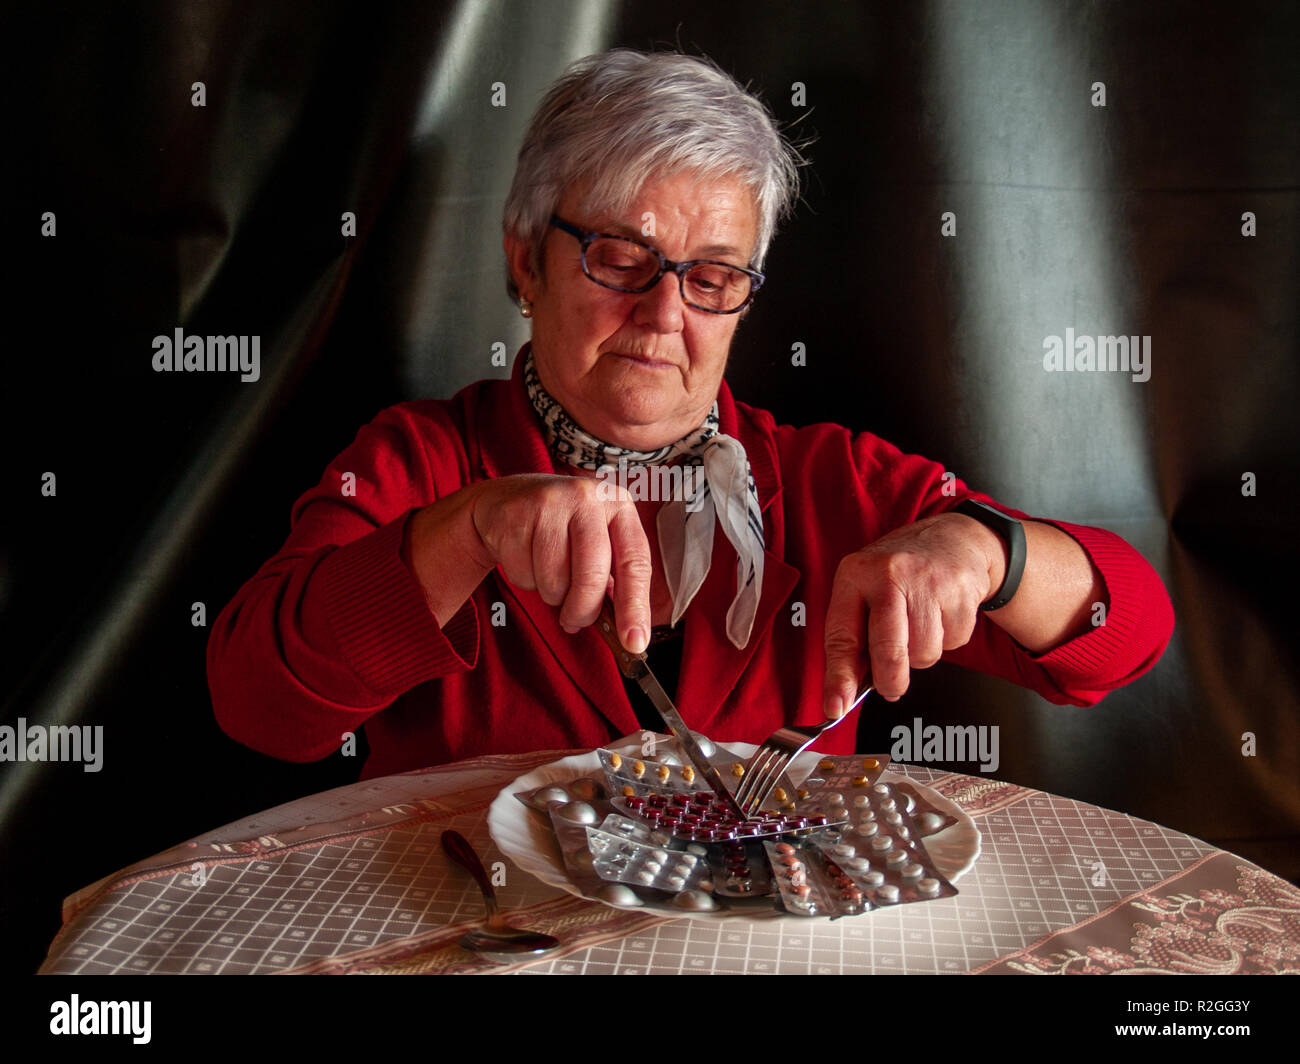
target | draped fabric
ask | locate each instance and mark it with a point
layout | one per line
(999, 195)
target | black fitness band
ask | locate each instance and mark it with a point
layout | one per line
(1013, 534)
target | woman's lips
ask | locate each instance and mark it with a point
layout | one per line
(645, 360)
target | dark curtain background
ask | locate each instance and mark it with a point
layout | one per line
(226, 219)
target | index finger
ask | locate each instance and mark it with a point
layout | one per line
(631, 570)
(845, 638)
(887, 637)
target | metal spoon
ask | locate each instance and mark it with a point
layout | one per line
(496, 939)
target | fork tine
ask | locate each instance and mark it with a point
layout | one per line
(755, 769)
(771, 774)
(765, 774)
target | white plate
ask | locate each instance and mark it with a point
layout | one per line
(525, 836)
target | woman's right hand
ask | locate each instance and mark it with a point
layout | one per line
(565, 537)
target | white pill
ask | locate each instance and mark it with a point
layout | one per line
(888, 893)
(888, 805)
(855, 864)
(872, 878)
(881, 843)
(862, 801)
(928, 886)
(834, 798)
(843, 849)
(897, 858)
(929, 822)
(912, 871)
(868, 829)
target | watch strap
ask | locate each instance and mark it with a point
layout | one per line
(1013, 535)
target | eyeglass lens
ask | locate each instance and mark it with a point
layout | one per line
(627, 266)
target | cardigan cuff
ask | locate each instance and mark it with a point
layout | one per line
(382, 621)
(1137, 613)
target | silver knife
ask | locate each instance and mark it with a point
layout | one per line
(635, 667)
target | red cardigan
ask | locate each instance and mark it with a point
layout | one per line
(334, 631)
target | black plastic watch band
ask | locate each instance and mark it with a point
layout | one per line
(1013, 534)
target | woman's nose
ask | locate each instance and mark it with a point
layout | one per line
(662, 308)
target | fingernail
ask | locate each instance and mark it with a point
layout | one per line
(637, 640)
(835, 707)
(571, 629)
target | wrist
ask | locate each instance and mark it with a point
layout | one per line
(1005, 557)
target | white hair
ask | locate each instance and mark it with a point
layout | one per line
(622, 117)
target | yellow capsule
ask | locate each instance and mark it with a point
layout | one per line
(803, 792)
(870, 764)
(826, 764)
(688, 773)
(738, 769)
(779, 794)
(629, 791)
(859, 781)
(663, 772)
(615, 762)
(638, 769)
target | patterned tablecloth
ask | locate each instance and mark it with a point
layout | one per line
(354, 880)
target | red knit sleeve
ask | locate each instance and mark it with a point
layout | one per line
(335, 626)
(1139, 618)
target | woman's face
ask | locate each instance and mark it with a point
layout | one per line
(637, 371)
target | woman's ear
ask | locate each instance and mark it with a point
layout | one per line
(519, 258)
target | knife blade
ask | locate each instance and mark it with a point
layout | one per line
(636, 667)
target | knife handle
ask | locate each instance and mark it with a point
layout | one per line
(630, 665)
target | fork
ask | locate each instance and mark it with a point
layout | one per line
(764, 768)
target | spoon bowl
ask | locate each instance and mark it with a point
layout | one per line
(496, 939)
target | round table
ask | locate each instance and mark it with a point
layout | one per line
(354, 880)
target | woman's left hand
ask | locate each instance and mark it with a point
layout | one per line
(904, 600)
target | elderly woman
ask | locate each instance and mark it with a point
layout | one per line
(447, 603)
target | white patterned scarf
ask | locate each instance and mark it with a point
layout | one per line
(726, 494)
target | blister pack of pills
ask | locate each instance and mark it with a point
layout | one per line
(704, 817)
(874, 859)
(643, 864)
(740, 869)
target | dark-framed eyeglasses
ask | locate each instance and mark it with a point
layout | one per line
(627, 265)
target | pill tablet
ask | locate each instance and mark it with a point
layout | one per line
(826, 765)
(881, 843)
(862, 801)
(868, 829)
(859, 781)
(912, 871)
(638, 769)
(887, 893)
(870, 764)
(688, 774)
(873, 878)
(928, 885)
(615, 762)
(737, 769)
(929, 822)
(896, 859)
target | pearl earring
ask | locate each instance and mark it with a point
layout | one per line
(526, 308)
